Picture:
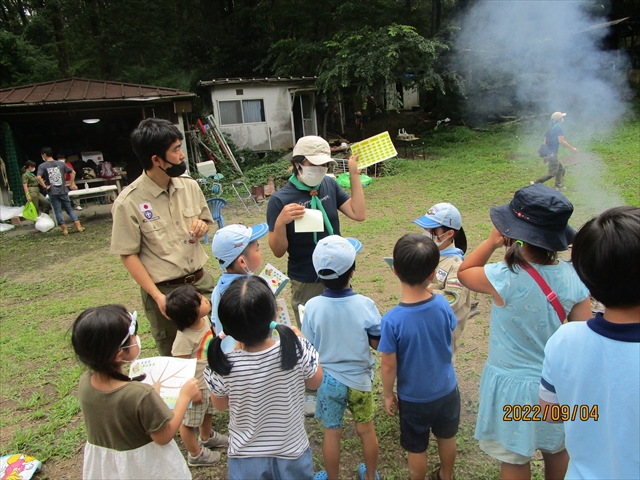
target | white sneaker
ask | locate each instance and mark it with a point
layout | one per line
(205, 458)
(216, 440)
(78, 207)
(309, 405)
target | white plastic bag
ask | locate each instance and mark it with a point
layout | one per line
(44, 223)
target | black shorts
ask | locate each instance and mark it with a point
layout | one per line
(442, 416)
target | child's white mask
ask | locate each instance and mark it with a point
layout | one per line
(139, 350)
(435, 238)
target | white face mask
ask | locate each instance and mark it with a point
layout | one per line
(435, 238)
(131, 346)
(312, 175)
(246, 269)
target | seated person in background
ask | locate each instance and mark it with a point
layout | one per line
(591, 370)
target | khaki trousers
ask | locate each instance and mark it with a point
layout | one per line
(301, 292)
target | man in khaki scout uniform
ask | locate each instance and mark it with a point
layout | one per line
(157, 221)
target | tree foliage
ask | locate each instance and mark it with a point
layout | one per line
(359, 44)
(389, 55)
(177, 42)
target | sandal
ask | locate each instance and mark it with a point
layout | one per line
(435, 474)
(362, 469)
(321, 475)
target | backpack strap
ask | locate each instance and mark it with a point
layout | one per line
(550, 294)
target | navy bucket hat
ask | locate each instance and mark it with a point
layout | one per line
(537, 215)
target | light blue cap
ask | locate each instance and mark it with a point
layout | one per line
(441, 215)
(229, 242)
(335, 253)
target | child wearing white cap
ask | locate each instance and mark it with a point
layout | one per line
(238, 252)
(443, 224)
(342, 326)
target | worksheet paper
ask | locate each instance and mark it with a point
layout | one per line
(311, 222)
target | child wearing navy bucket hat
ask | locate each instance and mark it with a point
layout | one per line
(532, 294)
(443, 224)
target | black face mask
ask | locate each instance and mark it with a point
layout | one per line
(175, 170)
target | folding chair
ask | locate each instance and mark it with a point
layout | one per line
(215, 205)
(244, 196)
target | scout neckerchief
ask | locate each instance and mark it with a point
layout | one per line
(452, 252)
(315, 203)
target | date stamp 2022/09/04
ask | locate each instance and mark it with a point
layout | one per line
(557, 413)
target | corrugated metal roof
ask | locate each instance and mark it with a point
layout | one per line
(72, 90)
(226, 81)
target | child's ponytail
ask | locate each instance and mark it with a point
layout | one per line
(290, 347)
(460, 240)
(217, 360)
(515, 257)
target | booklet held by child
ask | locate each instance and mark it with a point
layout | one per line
(275, 278)
(166, 375)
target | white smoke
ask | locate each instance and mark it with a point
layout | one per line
(549, 54)
(522, 58)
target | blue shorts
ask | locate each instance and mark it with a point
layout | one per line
(334, 398)
(271, 468)
(417, 420)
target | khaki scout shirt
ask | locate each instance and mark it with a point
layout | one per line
(446, 283)
(154, 224)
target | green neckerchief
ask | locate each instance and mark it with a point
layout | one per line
(315, 203)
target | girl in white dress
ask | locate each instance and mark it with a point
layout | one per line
(130, 429)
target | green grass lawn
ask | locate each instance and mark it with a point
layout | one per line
(46, 280)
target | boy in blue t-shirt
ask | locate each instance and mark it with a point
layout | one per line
(416, 348)
(237, 250)
(591, 370)
(342, 326)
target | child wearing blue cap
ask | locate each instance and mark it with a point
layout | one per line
(443, 224)
(238, 252)
(342, 326)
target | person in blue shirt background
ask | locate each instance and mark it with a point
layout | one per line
(552, 139)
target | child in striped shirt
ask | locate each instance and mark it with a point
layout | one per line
(262, 383)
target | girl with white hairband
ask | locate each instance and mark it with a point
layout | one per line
(130, 429)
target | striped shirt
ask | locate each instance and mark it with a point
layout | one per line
(266, 403)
